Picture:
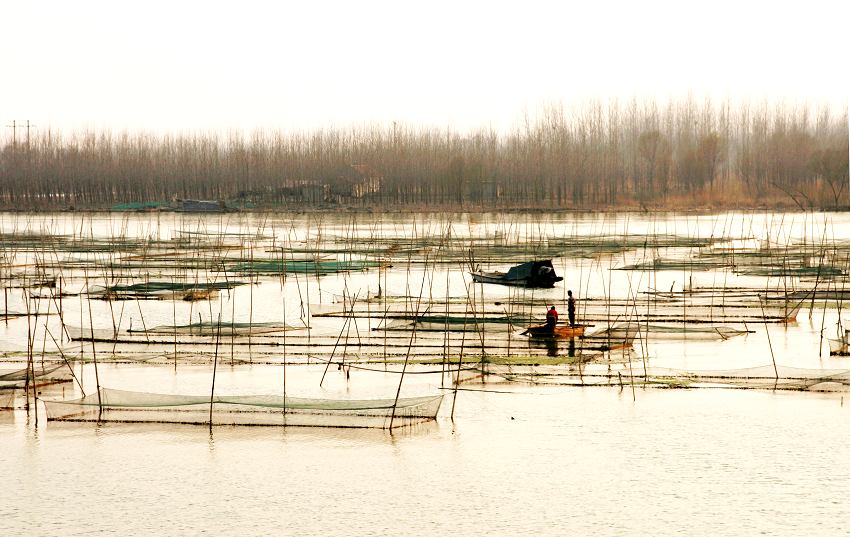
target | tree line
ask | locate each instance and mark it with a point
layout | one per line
(677, 154)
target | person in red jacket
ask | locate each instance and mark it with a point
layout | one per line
(551, 318)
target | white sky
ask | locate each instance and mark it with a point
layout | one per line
(187, 65)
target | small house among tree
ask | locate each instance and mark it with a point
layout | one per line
(369, 181)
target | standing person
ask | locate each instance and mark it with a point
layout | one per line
(571, 308)
(551, 318)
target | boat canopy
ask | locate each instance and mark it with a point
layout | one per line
(532, 270)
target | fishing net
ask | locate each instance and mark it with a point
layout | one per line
(195, 333)
(626, 332)
(77, 333)
(765, 377)
(126, 406)
(215, 329)
(47, 373)
(404, 325)
(7, 399)
(700, 313)
(615, 336)
(276, 266)
(674, 264)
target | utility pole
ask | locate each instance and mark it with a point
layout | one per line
(14, 128)
(28, 134)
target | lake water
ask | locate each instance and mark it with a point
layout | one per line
(517, 458)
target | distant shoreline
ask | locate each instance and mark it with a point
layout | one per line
(679, 155)
(448, 210)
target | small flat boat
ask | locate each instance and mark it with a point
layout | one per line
(539, 273)
(841, 345)
(564, 331)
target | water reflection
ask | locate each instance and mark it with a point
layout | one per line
(548, 343)
(554, 347)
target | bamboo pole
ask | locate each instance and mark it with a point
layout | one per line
(215, 367)
(407, 355)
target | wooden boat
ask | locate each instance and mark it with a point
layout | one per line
(539, 273)
(564, 331)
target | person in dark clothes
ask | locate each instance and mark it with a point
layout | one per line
(571, 308)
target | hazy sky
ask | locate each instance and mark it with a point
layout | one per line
(181, 65)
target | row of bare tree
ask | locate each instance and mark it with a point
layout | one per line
(600, 155)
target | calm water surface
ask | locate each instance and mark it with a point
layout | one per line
(537, 461)
(516, 459)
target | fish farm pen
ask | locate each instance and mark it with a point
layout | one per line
(362, 320)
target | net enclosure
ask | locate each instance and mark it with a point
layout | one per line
(43, 374)
(110, 405)
(765, 377)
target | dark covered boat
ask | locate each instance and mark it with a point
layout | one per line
(532, 274)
